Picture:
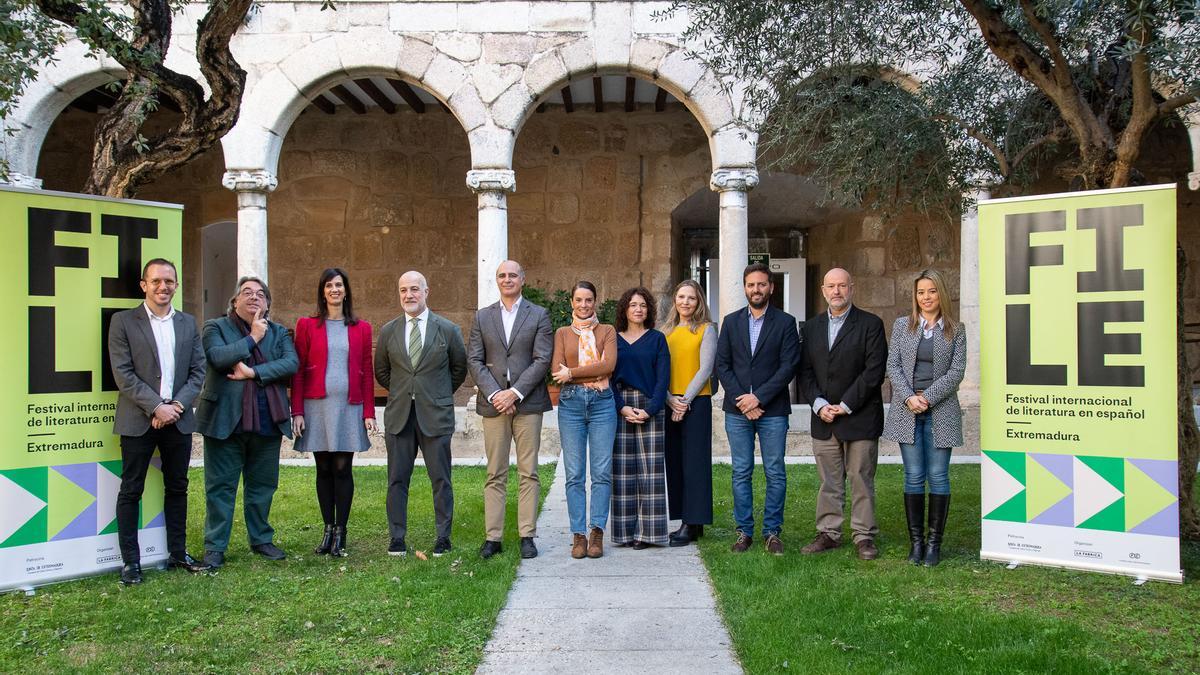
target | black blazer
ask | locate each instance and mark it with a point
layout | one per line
(850, 372)
(767, 373)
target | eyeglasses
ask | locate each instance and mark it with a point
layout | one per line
(251, 293)
(168, 283)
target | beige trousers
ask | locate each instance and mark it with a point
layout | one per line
(499, 433)
(835, 461)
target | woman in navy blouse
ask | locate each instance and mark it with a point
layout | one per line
(639, 493)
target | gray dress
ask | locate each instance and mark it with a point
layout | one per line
(332, 424)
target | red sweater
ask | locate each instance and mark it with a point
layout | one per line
(313, 350)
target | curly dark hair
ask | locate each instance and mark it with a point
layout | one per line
(623, 308)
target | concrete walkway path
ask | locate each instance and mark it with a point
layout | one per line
(629, 611)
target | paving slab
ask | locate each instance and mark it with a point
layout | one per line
(650, 610)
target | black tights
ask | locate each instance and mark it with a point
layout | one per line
(335, 486)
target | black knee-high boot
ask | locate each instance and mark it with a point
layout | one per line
(939, 507)
(914, 511)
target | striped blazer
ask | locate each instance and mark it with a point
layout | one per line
(950, 359)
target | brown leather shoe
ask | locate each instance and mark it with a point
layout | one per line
(579, 546)
(866, 549)
(821, 543)
(595, 547)
(773, 544)
(742, 544)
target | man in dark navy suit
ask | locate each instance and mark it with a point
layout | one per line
(756, 358)
(841, 369)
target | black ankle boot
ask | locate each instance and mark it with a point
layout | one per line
(323, 547)
(338, 546)
(681, 537)
(695, 531)
(939, 507)
(914, 512)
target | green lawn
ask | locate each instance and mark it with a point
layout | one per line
(309, 613)
(833, 613)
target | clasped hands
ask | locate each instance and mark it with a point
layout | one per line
(678, 406)
(830, 412)
(166, 414)
(634, 415)
(505, 401)
(917, 403)
(749, 405)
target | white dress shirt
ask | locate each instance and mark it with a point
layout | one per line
(164, 338)
(509, 318)
(422, 325)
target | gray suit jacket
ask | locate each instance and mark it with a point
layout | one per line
(950, 360)
(428, 386)
(522, 362)
(134, 356)
(220, 407)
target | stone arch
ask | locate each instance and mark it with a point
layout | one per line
(45, 98)
(273, 102)
(732, 142)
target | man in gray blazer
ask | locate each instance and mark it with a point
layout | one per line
(421, 360)
(158, 366)
(509, 355)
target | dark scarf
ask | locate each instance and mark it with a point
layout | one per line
(276, 395)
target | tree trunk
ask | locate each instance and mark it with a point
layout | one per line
(1189, 436)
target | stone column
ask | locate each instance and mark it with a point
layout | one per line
(733, 185)
(1194, 135)
(492, 186)
(251, 187)
(968, 298)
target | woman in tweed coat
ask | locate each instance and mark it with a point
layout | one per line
(927, 357)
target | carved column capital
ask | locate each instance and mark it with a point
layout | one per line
(257, 180)
(741, 180)
(492, 180)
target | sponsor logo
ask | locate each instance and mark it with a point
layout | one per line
(101, 560)
(1090, 555)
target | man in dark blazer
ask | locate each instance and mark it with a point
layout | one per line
(842, 364)
(158, 366)
(421, 360)
(756, 360)
(244, 415)
(509, 354)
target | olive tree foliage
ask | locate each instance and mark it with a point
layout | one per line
(915, 103)
(927, 99)
(136, 34)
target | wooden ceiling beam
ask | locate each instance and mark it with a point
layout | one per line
(404, 91)
(377, 96)
(349, 99)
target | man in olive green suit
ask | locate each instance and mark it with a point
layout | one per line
(421, 359)
(243, 414)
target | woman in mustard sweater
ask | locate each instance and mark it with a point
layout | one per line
(584, 356)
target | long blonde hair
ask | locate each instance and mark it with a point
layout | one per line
(699, 317)
(947, 314)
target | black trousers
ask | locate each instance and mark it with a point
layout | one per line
(689, 464)
(402, 456)
(175, 448)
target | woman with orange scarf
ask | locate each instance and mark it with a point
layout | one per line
(585, 354)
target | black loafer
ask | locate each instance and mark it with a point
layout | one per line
(214, 559)
(639, 545)
(681, 537)
(489, 549)
(131, 574)
(184, 561)
(398, 547)
(528, 550)
(269, 551)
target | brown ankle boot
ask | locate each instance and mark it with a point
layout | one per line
(579, 547)
(595, 547)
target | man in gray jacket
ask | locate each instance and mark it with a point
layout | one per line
(509, 355)
(421, 360)
(158, 366)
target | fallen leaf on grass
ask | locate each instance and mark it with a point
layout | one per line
(309, 624)
(421, 555)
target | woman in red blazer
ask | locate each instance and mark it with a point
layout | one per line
(333, 400)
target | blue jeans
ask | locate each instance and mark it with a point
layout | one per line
(772, 437)
(587, 426)
(922, 460)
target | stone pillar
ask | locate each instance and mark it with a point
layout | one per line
(733, 185)
(251, 187)
(1194, 135)
(20, 180)
(492, 186)
(968, 298)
